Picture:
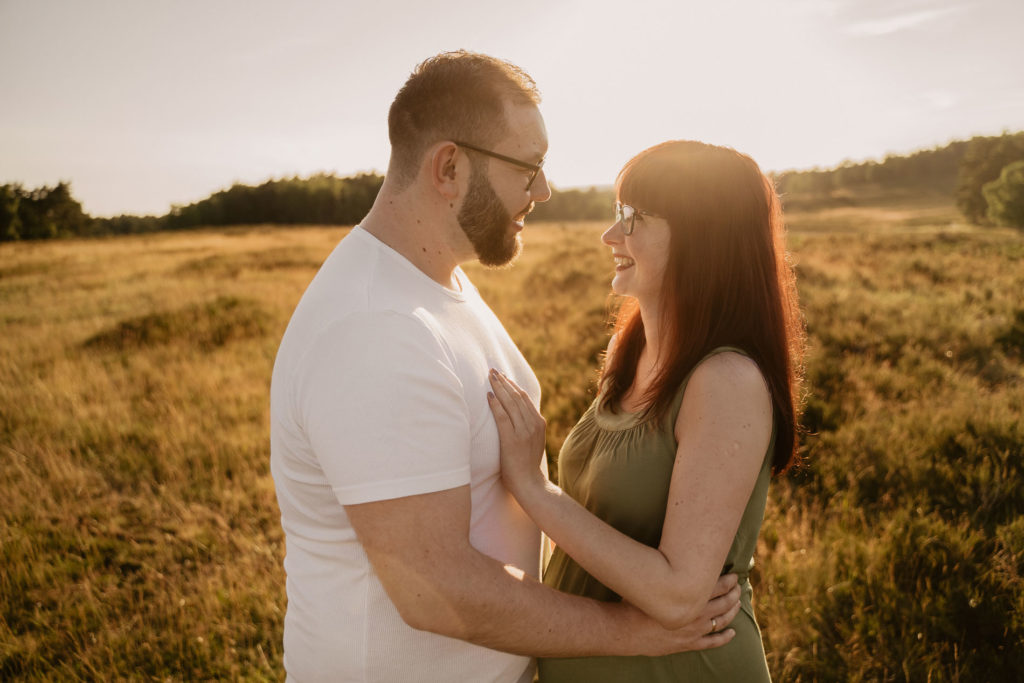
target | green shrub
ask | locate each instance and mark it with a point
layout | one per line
(1005, 196)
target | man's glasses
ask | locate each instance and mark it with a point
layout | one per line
(626, 214)
(533, 168)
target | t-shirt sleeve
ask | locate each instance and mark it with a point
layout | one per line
(383, 409)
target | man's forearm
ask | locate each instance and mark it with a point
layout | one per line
(502, 608)
(439, 582)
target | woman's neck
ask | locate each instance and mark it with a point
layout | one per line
(649, 314)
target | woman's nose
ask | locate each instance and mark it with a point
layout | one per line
(613, 235)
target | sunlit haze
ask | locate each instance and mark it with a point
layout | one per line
(141, 105)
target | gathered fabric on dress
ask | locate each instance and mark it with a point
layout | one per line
(619, 467)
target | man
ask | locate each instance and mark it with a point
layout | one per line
(406, 558)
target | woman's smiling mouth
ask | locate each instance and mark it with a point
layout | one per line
(623, 262)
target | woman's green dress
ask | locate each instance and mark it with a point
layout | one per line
(618, 466)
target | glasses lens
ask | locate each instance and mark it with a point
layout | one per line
(625, 213)
(536, 172)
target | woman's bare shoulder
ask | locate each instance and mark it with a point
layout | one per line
(727, 383)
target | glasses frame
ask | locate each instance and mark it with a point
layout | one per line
(621, 216)
(535, 168)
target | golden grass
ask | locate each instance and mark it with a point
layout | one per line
(140, 536)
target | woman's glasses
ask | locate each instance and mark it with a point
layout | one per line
(626, 214)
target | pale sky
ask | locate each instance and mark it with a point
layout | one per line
(142, 104)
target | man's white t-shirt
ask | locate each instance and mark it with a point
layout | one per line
(378, 392)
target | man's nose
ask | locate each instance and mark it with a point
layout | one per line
(540, 191)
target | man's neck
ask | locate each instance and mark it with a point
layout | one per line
(416, 232)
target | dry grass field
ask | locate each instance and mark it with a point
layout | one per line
(139, 533)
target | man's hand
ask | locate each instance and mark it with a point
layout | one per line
(706, 631)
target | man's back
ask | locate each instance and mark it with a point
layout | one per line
(379, 392)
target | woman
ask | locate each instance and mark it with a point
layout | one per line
(664, 479)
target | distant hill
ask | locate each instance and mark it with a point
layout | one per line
(959, 170)
(934, 169)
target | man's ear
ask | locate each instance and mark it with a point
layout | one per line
(448, 170)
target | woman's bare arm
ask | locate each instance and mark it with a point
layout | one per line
(723, 430)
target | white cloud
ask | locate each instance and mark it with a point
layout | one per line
(898, 22)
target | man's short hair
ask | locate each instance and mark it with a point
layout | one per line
(453, 96)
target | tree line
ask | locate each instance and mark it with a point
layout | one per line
(936, 169)
(984, 174)
(320, 199)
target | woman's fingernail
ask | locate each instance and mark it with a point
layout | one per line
(490, 395)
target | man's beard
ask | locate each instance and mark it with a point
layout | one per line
(485, 220)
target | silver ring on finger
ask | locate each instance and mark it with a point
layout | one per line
(714, 624)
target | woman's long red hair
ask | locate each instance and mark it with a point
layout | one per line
(728, 281)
